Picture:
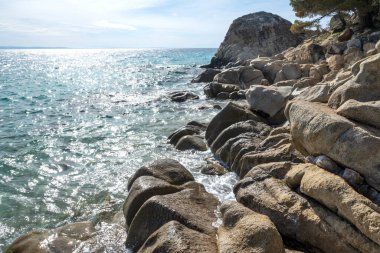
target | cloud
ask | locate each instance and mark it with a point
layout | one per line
(126, 23)
(109, 25)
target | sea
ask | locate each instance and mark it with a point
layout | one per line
(75, 124)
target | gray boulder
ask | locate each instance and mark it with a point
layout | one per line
(249, 36)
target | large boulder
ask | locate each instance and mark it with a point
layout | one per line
(231, 114)
(364, 112)
(168, 170)
(316, 129)
(175, 237)
(206, 76)
(364, 87)
(246, 231)
(268, 99)
(249, 36)
(307, 52)
(192, 207)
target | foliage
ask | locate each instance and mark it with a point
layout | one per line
(319, 9)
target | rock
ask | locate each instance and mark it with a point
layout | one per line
(260, 62)
(229, 76)
(374, 37)
(231, 113)
(175, 237)
(194, 142)
(317, 129)
(223, 95)
(337, 23)
(246, 231)
(365, 112)
(353, 55)
(238, 128)
(213, 89)
(305, 82)
(353, 178)
(324, 162)
(355, 43)
(280, 77)
(63, 239)
(168, 170)
(184, 131)
(200, 125)
(206, 76)
(192, 207)
(333, 192)
(300, 219)
(285, 83)
(275, 169)
(280, 154)
(364, 87)
(250, 76)
(317, 72)
(378, 46)
(182, 96)
(269, 100)
(317, 93)
(143, 189)
(335, 62)
(213, 169)
(346, 35)
(337, 48)
(307, 52)
(235, 95)
(292, 71)
(249, 36)
(271, 69)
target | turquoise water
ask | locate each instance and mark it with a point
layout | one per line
(76, 124)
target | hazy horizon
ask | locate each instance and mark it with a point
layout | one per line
(125, 24)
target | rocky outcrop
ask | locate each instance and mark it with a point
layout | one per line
(249, 36)
(317, 129)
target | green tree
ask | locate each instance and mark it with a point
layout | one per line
(318, 9)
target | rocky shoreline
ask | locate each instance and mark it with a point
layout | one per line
(302, 132)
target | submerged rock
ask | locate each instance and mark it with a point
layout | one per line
(182, 96)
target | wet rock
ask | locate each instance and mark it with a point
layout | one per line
(317, 129)
(300, 219)
(175, 237)
(168, 170)
(213, 89)
(223, 95)
(230, 114)
(206, 76)
(269, 100)
(192, 207)
(248, 33)
(182, 96)
(213, 169)
(246, 231)
(143, 189)
(364, 112)
(191, 142)
(63, 239)
(189, 129)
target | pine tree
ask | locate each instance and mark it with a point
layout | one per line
(318, 9)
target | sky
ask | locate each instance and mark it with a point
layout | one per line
(125, 23)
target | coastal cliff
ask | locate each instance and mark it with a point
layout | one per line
(301, 130)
